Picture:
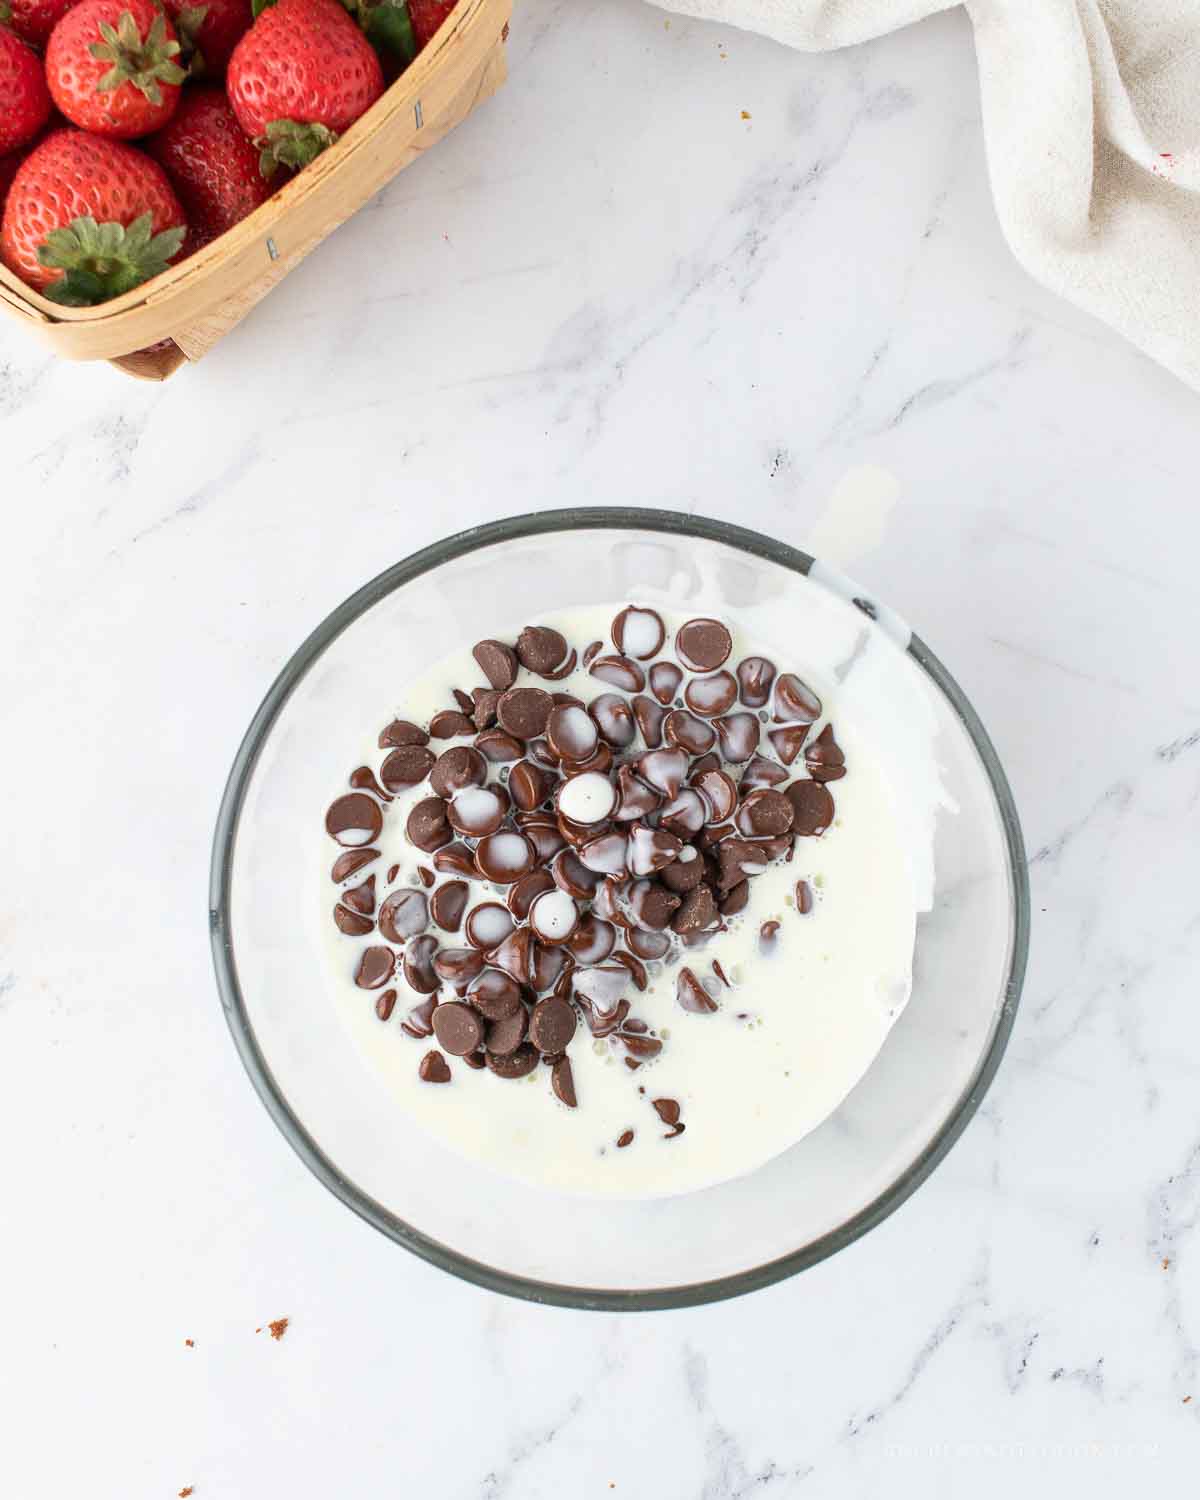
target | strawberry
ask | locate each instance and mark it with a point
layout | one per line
(301, 75)
(8, 170)
(87, 219)
(212, 166)
(34, 20)
(24, 98)
(111, 67)
(209, 30)
(427, 16)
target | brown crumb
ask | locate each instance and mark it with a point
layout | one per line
(1186, 1399)
(1166, 1262)
(745, 114)
(191, 1343)
(185, 1492)
(278, 1327)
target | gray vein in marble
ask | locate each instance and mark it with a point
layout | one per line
(727, 1474)
(242, 460)
(1173, 1211)
(497, 1482)
(974, 1295)
(8, 983)
(19, 382)
(936, 393)
(1179, 747)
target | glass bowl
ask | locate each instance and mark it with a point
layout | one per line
(831, 1187)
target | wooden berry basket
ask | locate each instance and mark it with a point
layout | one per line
(181, 314)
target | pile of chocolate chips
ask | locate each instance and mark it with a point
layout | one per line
(614, 826)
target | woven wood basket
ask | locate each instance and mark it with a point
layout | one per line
(181, 314)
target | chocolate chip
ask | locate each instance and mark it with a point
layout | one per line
(419, 973)
(403, 914)
(424, 874)
(812, 807)
(795, 702)
(768, 934)
(737, 859)
(719, 793)
(638, 632)
(565, 670)
(649, 716)
(652, 849)
(351, 862)
(605, 854)
(514, 1064)
(824, 757)
(762, 772)
(601, 760)
(764, 814)
(634, 798)
(562, 1081)
(593, 939)
(385, 1004)
(625, 1139)
(352, 923)
(601, 986)
(499, 746)
(521, 895)
(667, 1110)
(614, 719)
(363, 780)
(713, 833)
(457, 1027)
(418, 1022)
(401, 732)
(739, 736)
(458, 966)
(620, 671)
(524, 711)
(691, 994)
(475, 1060)
(428, 826)
(788, 741)
(498, 663)
(755, 674)
(448, 903)
(488, 924)
(585, 801)
(495, 995)
(665, 678)
(504, 857)
(552, 1025)
(703, 645)
(506, 1035)
(477, 811)
(549, 966)
(682, 876)
(460, 766)
(664, 770)
(361, 898)
(541, 829)
(354, 819)
(685, 814)
(804, 897)
(571, 733)
(375, 967)
(652, 904)
(688, 732)
(606, 901)
(720, 973)
(599, 1025)
(529, 785)
(735, 899)
(541, 649)
(642, 1047)
(637, 969)
(698, 912)
(434, 1068)
(484, 701)
(514, 955)
(710, 696)
(455, 859)
(406, 767)
(449, 724)
(464, 701)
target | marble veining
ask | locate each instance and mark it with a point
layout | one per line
(670, 264)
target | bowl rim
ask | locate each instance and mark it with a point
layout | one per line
(325, 1170)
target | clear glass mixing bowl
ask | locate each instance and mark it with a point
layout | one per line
(824, 1192)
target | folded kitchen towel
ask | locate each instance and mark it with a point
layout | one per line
(1091, 113)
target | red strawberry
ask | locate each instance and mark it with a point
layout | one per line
(111, 67)
(427, 16)
(87, 219)
(211, 164)
(34, 20)
(8, 170)
(24, 98)
(209, 30)
(301, 75)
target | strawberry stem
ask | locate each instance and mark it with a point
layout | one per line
(100, 261)
(292, 143)
(143, 63)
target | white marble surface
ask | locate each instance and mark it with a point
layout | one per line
(607, 286)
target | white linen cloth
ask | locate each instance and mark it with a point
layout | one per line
(1091, 112)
